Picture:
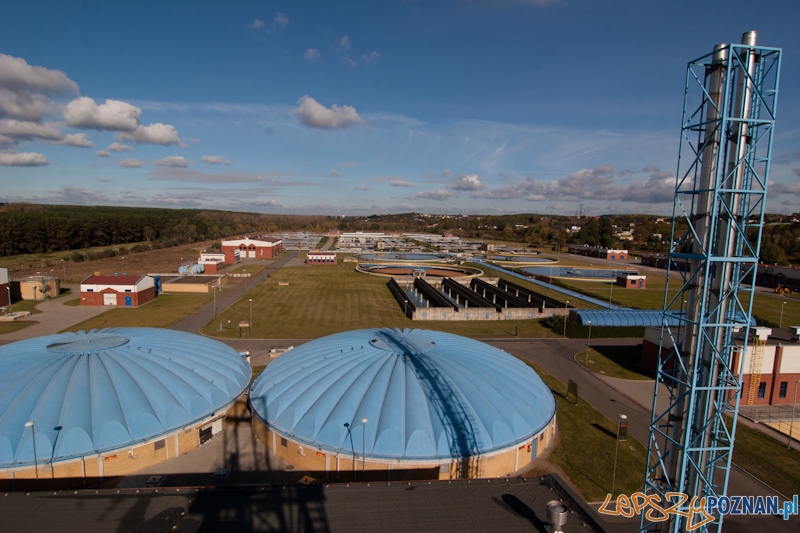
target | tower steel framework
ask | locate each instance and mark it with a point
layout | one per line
(723, 163)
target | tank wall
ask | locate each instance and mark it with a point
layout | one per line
(127, 460)
(314, 459)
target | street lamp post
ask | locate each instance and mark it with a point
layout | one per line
(251, 314)
(780, 324)
(616, 452)
(588, 342)
(791, 424)
(405, 310)
(57, 429)
(611, 294)
(364, 449)
(64, 268)
(35, 459)
(566, 306)
(9, 297)
(86, 307)
(123, 264)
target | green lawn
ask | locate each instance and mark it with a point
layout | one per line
(616, 362)
(75, 302)
(767, 459)
(24, 305)
(160, 313)
(585, 448)
(9, 327)
(253, 269)
(323, 299)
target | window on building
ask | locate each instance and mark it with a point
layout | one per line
(283, 442)
(762, 389)
(782, 393)
(159, 444)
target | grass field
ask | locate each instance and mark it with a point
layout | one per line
(253, 268)
(767, 459)
(24, 305)
(320, 300)
(765, 305)
(615, 361)
(582, 428)
(9, 327)
(160, 313)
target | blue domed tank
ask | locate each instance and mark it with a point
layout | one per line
(106, 389)
(425, 395)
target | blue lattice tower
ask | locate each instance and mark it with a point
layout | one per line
(723, 164)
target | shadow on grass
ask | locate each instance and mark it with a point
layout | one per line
(627, 357)
(604, 430)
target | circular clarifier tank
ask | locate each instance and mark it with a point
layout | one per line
(403, 400)
(106, 402)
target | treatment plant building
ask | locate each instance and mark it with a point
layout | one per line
(111, 402)
(411, 404)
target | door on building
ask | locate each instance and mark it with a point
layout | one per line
(640, 284)
(204, 434)
(128, 301)
(533, 448)
(110, 298)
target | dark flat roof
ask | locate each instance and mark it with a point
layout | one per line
(508, 505)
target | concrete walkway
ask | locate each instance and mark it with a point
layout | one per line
(55, 316)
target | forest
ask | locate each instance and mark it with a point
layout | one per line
(32, 228)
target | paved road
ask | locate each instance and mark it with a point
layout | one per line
(200, 317)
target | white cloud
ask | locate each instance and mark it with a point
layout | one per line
(158, 133)
(466, 183)
(11, 131)
(315, 115)
(22, 159)
(117, 147)
(175, 161)
(214, 160)
(445, 172)
(102, 153)
(17, 75)
(113, 115)
(24, 88)
(439, 195)
(344, 44)
(313, 55)
(335, 173)
(280, 21)
(194, 140)
(349, 61)
(371, 58)
(257, 24)
(17, 129)
(362, 188)
(25, 105)
(130, 163)
(400, 183)
(78, 140)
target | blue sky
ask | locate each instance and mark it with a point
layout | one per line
(368, 107)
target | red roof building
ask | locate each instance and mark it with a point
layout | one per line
(124, 291)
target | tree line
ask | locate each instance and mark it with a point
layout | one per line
(33, 228)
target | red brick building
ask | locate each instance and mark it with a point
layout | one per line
(212, 262)
(260, 247)
(315, 257)
(630, 281)
(124, 291)
(600, 253)
(770, 369)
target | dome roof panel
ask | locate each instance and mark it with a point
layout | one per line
(425, 395)
(110, 388)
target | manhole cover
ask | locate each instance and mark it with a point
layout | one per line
(289, 467)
